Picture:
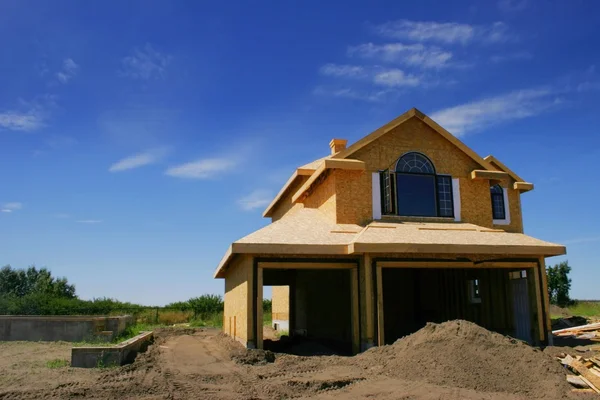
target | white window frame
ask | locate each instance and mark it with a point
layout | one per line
(456, 198)
(506, 220)
(376, 198)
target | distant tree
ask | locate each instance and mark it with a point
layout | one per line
(23, 282)
(559, 284)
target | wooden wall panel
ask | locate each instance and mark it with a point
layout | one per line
(323, 196)
(238, 298)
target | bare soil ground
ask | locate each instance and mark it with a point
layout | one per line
(454, 360)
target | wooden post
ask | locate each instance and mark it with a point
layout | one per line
(380, 324)
(536, 301)
(546, 298)
(355, 310)
(259, 308)
(368, 306)
(234, 326)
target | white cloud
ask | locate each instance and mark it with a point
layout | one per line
(29, 116)
(372, 96)
(10, 207)
(89, 221)
(395, 78)
(479, 114)
(443, 32)
(69, 70)
(512, 5)
(145, 63)
(257, 199)
(202, 169)
(521, 55)
(351, 71)
(416, 55)
(138, 160)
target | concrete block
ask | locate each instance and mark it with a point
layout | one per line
(107, 356)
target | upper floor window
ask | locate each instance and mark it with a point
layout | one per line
(498, 206)
(412, 188)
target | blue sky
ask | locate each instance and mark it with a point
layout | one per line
(138, 139)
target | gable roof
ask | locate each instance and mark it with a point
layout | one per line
(493, 160)
(413, 112)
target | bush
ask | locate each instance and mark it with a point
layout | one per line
(559, 284)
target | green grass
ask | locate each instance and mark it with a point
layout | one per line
(57, 363)
(267, 318)
(585, 308)
(279, 334)
(211, 321)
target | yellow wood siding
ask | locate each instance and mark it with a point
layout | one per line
(237, 316)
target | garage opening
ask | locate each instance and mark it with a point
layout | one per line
(319, 311)
(414, 296)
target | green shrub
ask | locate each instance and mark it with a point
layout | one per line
(57, 363)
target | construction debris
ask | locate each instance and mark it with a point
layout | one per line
(589, 331)
(586, 371)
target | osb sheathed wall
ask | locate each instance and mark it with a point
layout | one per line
(237, 315)
(285, 204)
(514, 204)
(323, 195)
(350, 196)
(355, 205)
(280, 303)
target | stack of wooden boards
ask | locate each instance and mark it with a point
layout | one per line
(589, 331)
(586, 372)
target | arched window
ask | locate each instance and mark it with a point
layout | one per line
(412, 188)
(498, 206)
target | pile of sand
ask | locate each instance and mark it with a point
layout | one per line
(464, 355)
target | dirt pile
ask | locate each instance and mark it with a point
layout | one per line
(464, 355)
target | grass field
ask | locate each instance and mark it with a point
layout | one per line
(585, 308)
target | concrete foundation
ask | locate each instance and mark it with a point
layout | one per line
(108, 356)
(62, 327)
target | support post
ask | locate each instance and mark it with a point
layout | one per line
(380, 320)
(546, 298)
(259, 308)
(355, 310)
(534, 290)
(368, 301)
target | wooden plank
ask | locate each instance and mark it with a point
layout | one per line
(259, 308)
(477, 174)
(305, 265)
(581, 328)
(369, 311)
(577, 381)
(506, 264)
(355, 310)
(380, 320)
(594, 381)
(426, 264)
(234, 326)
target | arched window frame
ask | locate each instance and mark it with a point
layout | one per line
(498, 203)
(420, 165)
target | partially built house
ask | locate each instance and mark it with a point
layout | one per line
(407, 225)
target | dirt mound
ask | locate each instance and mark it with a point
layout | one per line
(464, 355)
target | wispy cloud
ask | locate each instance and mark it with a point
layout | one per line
(476, 115)
(347, 71)
(10, 207)
(257, 199)
(145, 63)
(138, 160)
(512, 5)
(417, 55)
(380, 76)
(202, 169)
(68, 71)
(89, 221)
(395, 78)
(29, 115)
(373, 96)
(443, 32)
(520, 55)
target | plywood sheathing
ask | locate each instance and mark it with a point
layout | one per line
(309, 231)
(284, 204)
(519, 183)
(323, 196)
(237, 313)
(298, 178)
(280, 303)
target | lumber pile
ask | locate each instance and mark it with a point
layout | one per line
(589, 331)
(585, 372)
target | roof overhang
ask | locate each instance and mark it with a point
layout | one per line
(327, 164)
(298, 173)
(520, 184)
